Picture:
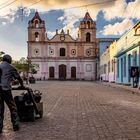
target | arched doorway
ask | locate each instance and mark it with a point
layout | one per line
(73, 72)
(51, 72)
(62, 72)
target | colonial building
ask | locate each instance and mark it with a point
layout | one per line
(104, 65)
(108, 64)
(117, 61)
(128, 54)
(63, 57)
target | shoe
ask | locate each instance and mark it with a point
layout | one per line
(15, 127)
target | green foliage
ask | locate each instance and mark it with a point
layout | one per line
(23, 65)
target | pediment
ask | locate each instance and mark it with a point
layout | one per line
(62, 38)
(137, 29)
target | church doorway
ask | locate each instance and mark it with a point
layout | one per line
(51, 72)
(73, 72)
(62, 72)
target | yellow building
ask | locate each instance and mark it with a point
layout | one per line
(105, 65)
(112, 62)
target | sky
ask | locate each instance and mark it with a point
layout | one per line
(113, 18)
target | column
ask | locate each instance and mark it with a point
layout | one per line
(56, 70)
(68, 69)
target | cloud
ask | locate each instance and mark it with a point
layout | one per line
(132, 10)
(3, 23)
(120, 9)
(118, 28)
(46, 5)
(116, 10)
(50, 34)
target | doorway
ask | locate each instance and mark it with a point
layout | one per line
(62, 72)
(51, 72)
(73, 72)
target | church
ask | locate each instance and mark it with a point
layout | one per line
(63, 57)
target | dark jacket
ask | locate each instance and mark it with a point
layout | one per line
(7, 74)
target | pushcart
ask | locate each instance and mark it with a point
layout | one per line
(29, 104)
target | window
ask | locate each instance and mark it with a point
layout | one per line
(124, 70)
(62, 51)
(112, 65)
(134, 58)
(129, 67)
(104, 68)
(88, 24)
(118, 68)
(108, 67)
(88, 37)
(36, 23)
(36, 36)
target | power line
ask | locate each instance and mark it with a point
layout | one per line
(34, 3)
(91, 4)
(4, 3)
(8, 4)
(85, 5)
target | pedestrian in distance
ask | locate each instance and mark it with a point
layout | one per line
(7, 74)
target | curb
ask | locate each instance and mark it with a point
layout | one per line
(127, 88)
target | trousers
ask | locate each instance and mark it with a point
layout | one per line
(6, 96)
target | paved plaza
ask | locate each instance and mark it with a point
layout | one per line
(80, 111)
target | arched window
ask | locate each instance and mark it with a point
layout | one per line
(36, 23)
(62, 51)
(36, 36)
(88, 24)
(88, 37)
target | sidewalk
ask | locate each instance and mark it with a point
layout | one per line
(128, 88)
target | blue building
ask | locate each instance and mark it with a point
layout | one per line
(128, 55)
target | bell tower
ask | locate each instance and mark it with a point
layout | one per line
(36, 36)
(87, 29)
(36, 29)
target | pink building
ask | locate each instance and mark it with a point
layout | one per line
(62, 57)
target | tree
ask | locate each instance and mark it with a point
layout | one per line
(25, 66)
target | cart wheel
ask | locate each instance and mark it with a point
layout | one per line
(32, 118)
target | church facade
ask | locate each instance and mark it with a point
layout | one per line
(63, 57)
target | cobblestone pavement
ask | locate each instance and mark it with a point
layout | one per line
(81, 111)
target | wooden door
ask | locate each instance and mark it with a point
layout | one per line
(51, 72)
(73, 72)
(62, 72)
